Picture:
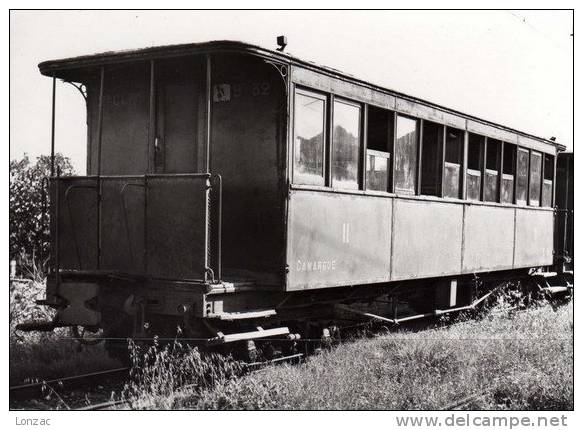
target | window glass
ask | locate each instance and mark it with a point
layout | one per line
(406, 155)
(377, 177)
(492, 168)
(535, 178)
(521, 176)
(509, 166)
(345, 145)
(547, 191)
(309, 139)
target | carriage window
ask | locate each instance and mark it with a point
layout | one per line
(406, 155)
(521, 176)
(508, 171)
(379, 140)
(492, 170)
(431, 155)
(309, 144)
(474, 170)
(549, 170)
(535, 179)
(454, 149)
(345, 145)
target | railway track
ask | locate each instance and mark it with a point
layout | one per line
(61, 385)
(38, 389)
(247, 368)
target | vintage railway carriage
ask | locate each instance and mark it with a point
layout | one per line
(239, 191)
(564, 206)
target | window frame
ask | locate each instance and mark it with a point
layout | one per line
(418, 122)
(527, 151)
(496, 171)
(329, 100)
(359, 173)
(481, 166)
(461, 164)
(325, 98)
(544, 178)
(512, 148)
(439, 153)
(388, 154)
(534, 153)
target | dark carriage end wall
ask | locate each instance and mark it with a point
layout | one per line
(248, 110)
(125, 121)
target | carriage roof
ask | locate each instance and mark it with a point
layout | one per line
(69, 69)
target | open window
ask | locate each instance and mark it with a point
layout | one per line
(345, 145)
(522, 176)
(549, 173)
(454, 150)
(508, 173)
(309, 138)
(474, 170)
(534, 186)
(492, 170)
(406, 148)
(378, 152)
(431, 154)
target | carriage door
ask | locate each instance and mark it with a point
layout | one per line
(176, 204)
(178, 123)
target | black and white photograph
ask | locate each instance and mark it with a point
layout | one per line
(292, 210)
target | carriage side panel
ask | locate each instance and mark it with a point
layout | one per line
(488, 238)
(534, 238)
(427, 239)
(337, 240)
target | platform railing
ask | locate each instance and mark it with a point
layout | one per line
(94, 225)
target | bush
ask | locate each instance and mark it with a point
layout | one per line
(29, 229)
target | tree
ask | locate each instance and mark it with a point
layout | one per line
(29, 229)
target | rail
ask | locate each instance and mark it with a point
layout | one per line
(31, 390)
(193, 200)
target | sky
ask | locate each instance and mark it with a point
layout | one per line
(511, 67)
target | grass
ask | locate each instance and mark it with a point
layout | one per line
(50, 356)
(44, 356)
(161, 375)
(521, 361)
